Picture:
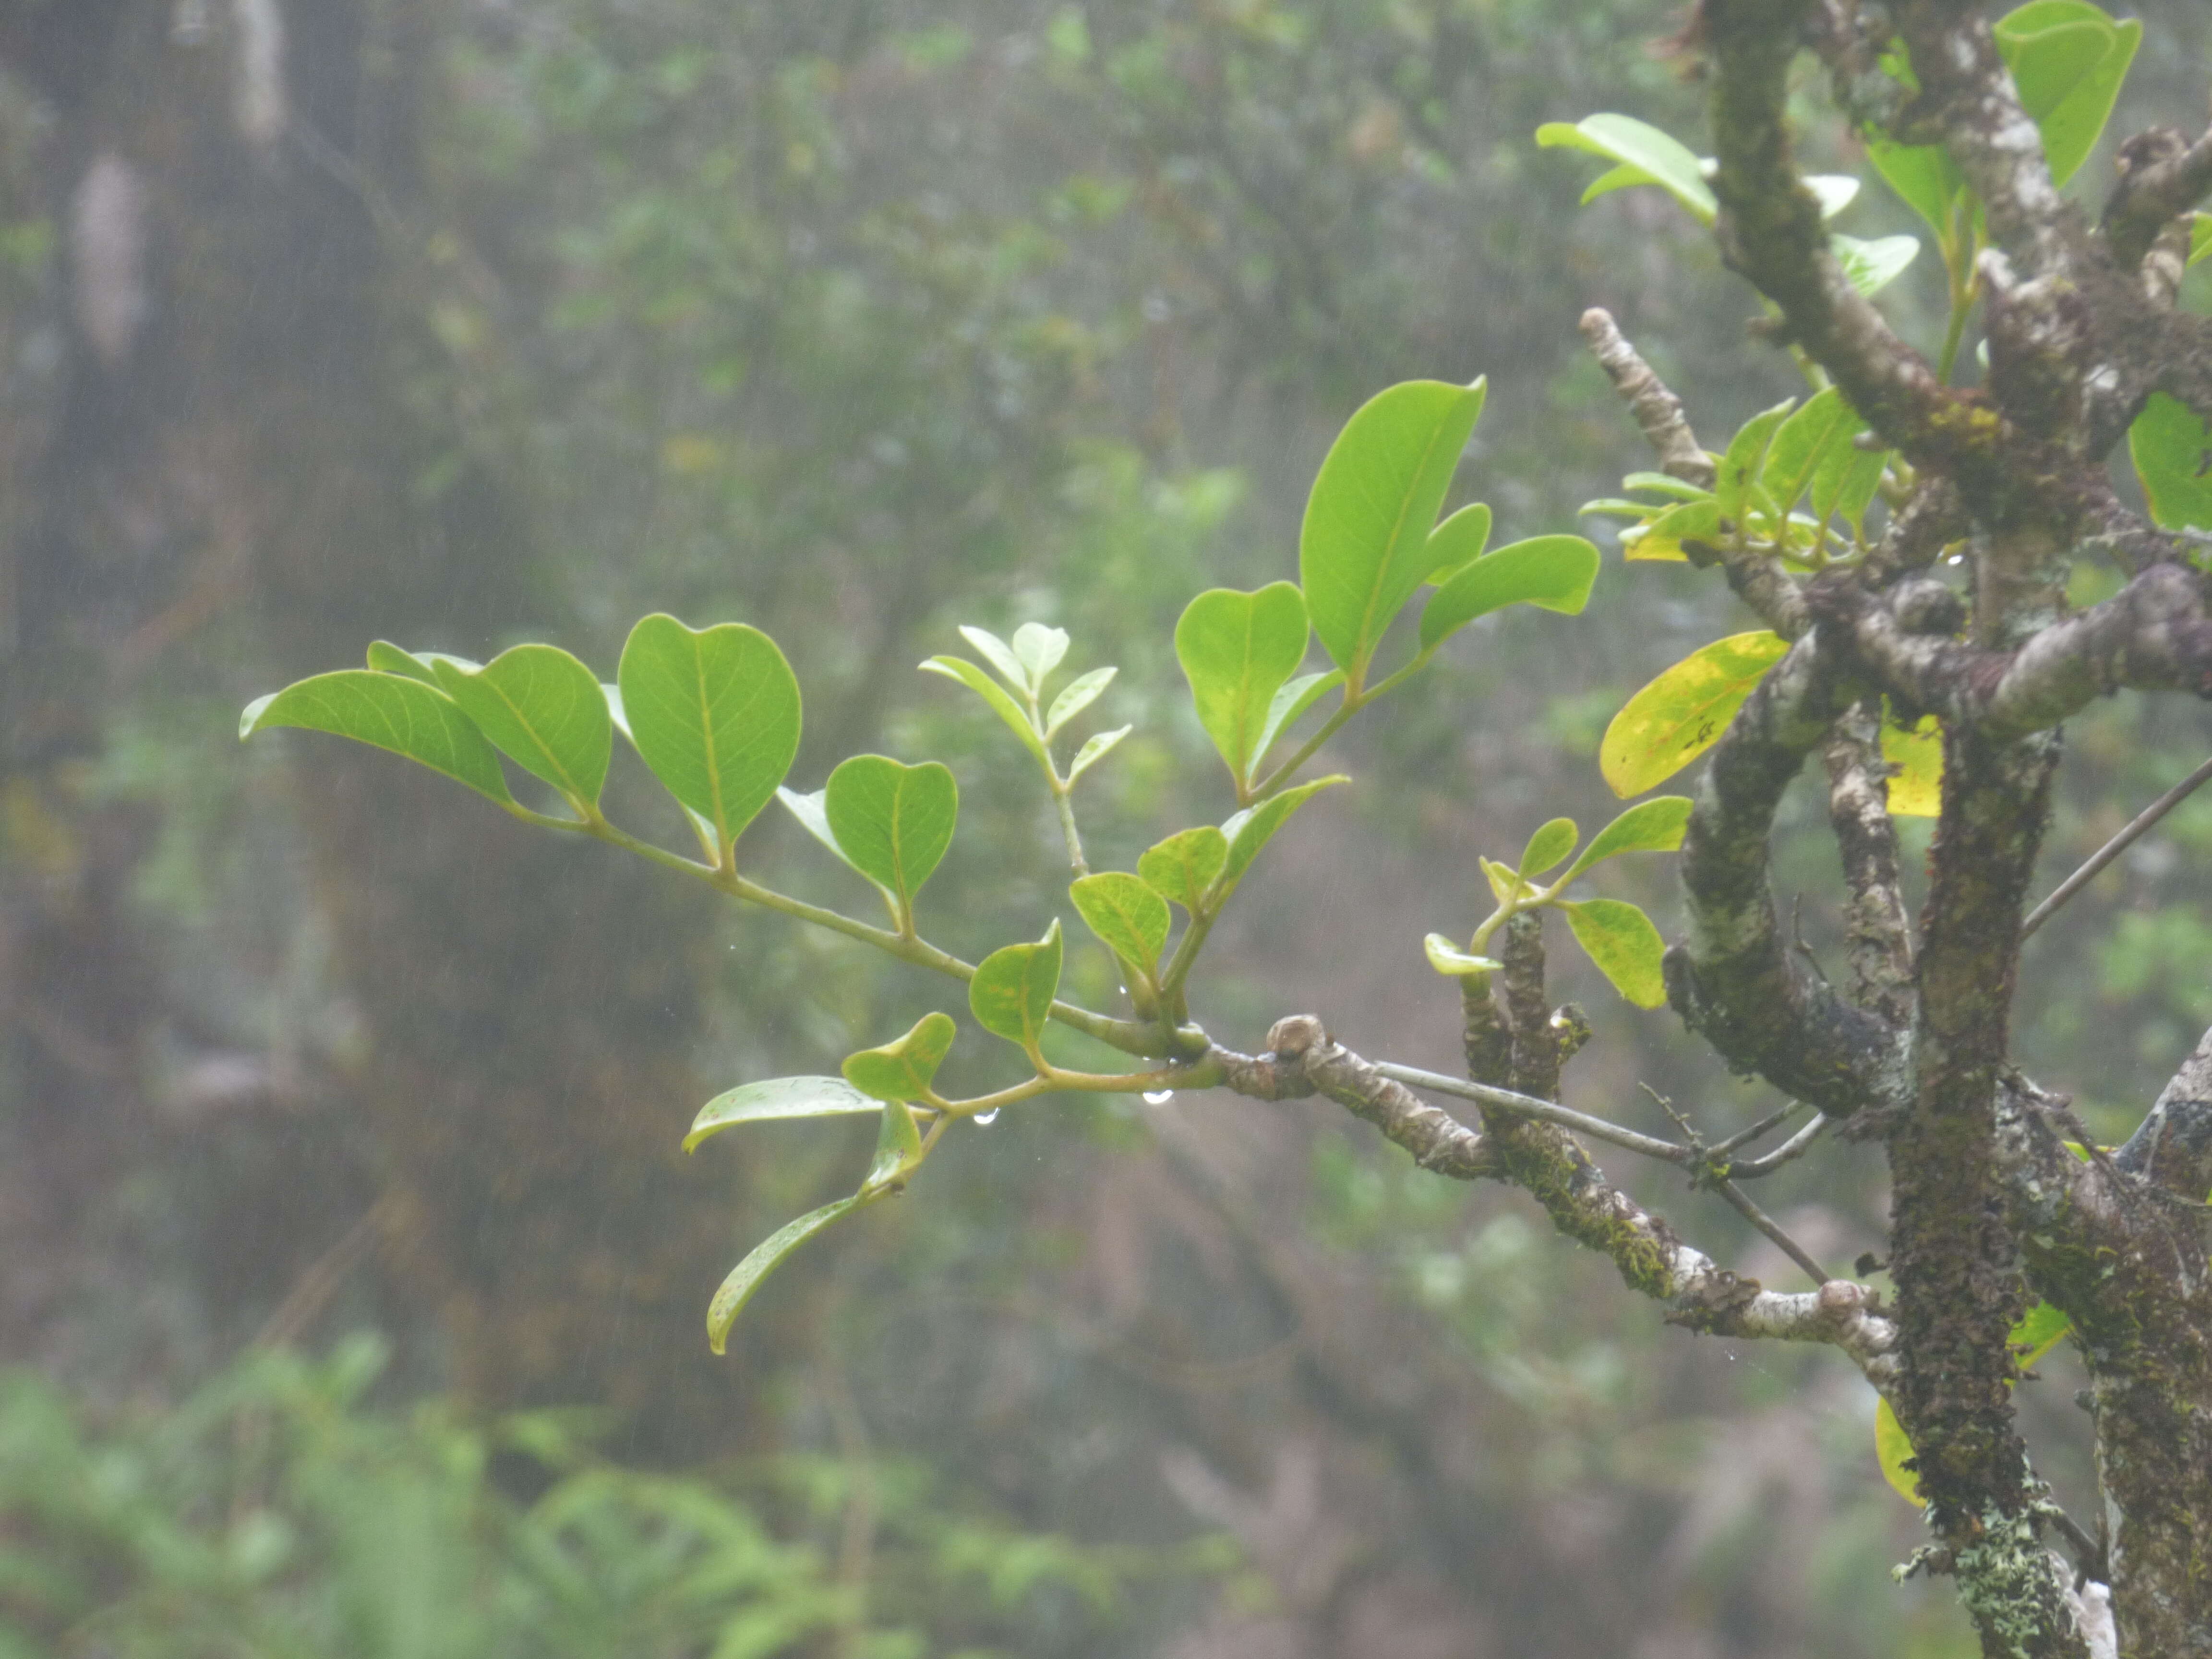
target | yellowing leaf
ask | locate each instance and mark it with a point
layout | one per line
(1680, 714)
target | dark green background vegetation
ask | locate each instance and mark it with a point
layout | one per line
(350, 1269)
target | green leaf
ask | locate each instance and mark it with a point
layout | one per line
(1870, 267)
(1926, 176)
(1450, 960)
(1001, 655)
(903, 1070)
(1626, 947)
(1184, 865)
(2068, 58)
(1666, 536)
(1650, 826)
(1680, 714)
(1039, 650)
(1552, 842)
(1237, 650)
(1746, 456)
(1554, 573)
(1458, 540)
(1892, 1449)
(892, 822)
(898, 1150)
(1254, 828)
(2040, 1329)
(777, 1099)
(540, 705)
(1289, 707)
(1505, 882)
(1845, 480)
(1012, 993)
(1916, 784)
(1079, 694)
(388, 659)
(2171, 448)
(745, 1278)
(1803, 442)
(960, 669)
(1364, 548)
(813, 814)
(1612, 178)
(1666, 484)
(714, 713)
(2199, 236)
(390, 711)
(1128, 916)
(1837, 191)
(1662, 160)
(1095, 749)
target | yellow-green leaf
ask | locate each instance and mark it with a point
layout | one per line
(1680, 714)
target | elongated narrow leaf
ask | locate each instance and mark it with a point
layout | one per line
(1650, 826)
(1916, 757)
(1746, 456)
(1675, 532)
(745, 1278)
(1129, 917)
(1681, 714)
(2068, 58)
(1289, 707)
(2039, 1330)
(714, 713)
(1552, 842)
(543, 708)
(1554, 573)
(1802, 442)
(776, 1098)
(1236, 650)
(1626, 947)
(1453, 962)
(1254, 828)
(390, 711)
(1892, 1449)
(1001, 655)
(1458, 540)
(1664, 161)
(2171, 447)
(1363, 549)
(1012, 993)
(893, 822)
(1845, 482)
(1870, 267)
(903, 1070)
(1926, 176)
(1077, 696)
(1039, 650)
(1094, 748)
(1001, 701)
(1182, 867)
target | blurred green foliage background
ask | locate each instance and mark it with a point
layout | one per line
(857, 320)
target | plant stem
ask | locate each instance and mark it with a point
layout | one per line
(1282, 774)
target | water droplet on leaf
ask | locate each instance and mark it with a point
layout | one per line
(991, 1116)
(1158, 1096)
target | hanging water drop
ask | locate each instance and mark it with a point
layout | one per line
(982, 1118)
(1158, 1096)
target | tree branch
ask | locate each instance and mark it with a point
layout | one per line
(2162, 176)
(1876, 941)
(2172, 1146)
(1658, 409)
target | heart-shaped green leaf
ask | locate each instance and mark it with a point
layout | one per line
(1458, 540)
(1680, 714)
(544, 710)
(1364, 548)
(390, 711)
(1238, 649)
(745, 1278)
(1012, 993)
(1077, 696)
(2068, 58)
(1650, 826)
(1183, 867)
(903, 1070)
(893, 822)
(1916, 759)
(1129, 917)
(776, 1098)
(1254, 828)
(1002, 704)
(1626, 947)
(1645, 154)
(1554, 573)
(1450, 960)
(715, 713)
(2169, 447)
(1552, 842)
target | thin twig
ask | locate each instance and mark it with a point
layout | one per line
(1765, 1223)
(1745, 1137)
(1519, 1105)
(1752, 1169)
(2118, 844)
